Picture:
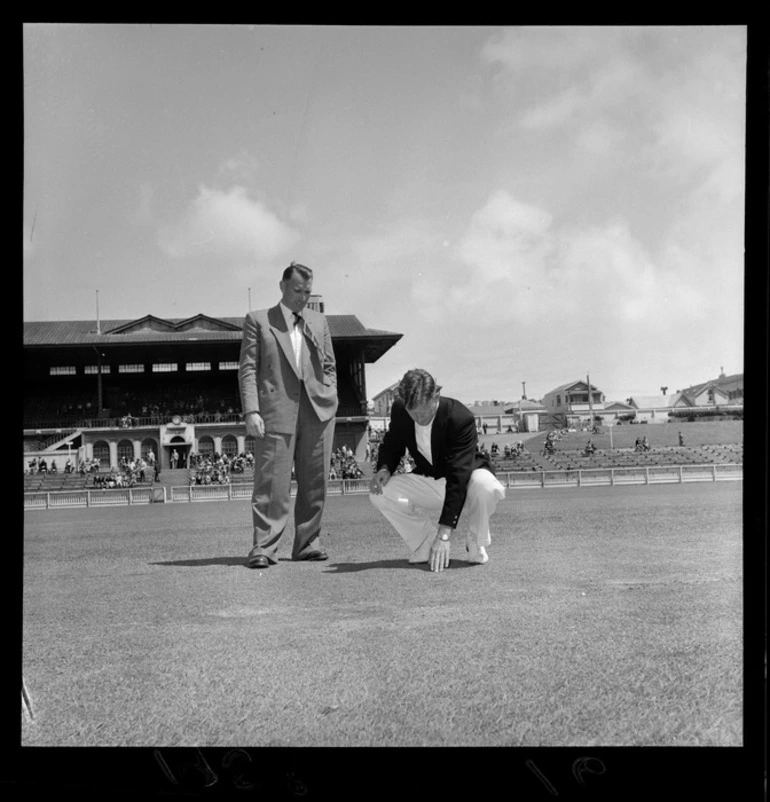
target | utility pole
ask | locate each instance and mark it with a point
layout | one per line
(590, 405)
(98, 361)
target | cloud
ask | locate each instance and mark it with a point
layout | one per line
(552, 49)
(520, 268)
(555, 110)
(227, 225)
(672, 99)
(240, 168)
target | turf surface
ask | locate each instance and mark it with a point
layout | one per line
(609, 616)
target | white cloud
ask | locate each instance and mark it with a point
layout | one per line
(672, 95)
(552, 49)
(519, 266)
(240, 168)
(555, 110)
(227, 225)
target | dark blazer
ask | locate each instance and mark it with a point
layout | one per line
(454, 446)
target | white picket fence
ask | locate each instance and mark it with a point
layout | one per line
(516, 480)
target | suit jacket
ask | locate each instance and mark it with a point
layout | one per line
(454, 447)
(269, 380)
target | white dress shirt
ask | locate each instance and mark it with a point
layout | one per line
(422, 435)
(294, 332)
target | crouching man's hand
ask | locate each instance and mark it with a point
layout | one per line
(439, 551)
(379, 480)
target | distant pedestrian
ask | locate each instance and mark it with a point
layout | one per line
(681, 439)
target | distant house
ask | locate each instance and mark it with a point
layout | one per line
(383, 401)
(617, 410)
(528, 413)
(722, 391)
(656, 408)
(571, 402)
(494, 416)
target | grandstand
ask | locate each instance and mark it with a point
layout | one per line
(114, 389)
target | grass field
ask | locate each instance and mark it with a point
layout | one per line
(609, 616)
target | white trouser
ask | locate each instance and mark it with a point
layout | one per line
(412, 503)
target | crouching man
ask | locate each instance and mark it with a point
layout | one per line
(449, 472)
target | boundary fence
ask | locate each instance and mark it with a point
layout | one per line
(516, 480)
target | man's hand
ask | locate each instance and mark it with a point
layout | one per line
(379, 480)
(439, 551)
(255, 425)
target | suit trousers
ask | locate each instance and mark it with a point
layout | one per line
(309, 448)
(413, 503)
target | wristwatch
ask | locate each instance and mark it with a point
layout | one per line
(444, 536)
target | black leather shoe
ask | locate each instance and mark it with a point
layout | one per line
(316, 555)
(258, 561)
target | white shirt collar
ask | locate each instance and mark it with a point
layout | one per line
(287, 314)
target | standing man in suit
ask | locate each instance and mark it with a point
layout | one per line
(288, 385)
(449, 472)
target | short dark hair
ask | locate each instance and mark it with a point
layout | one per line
(417, 387)
(305, 272)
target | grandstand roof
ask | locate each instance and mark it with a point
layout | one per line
(388, 389)
(149, 329)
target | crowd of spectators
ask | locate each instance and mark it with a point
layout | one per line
(217, 468)
(131, 409)
(344, 465)
(40, 466)
(510, 451)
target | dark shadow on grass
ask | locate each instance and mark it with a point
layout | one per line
(350, 568)
(205, 562)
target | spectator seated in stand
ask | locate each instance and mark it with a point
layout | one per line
(344, 465)
(589, 449)
(114, 479)
(210, 470)
(241, 462)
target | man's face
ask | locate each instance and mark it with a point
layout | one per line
(296, 292)
(424, 413)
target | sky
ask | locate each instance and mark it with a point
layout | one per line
(525, 205)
